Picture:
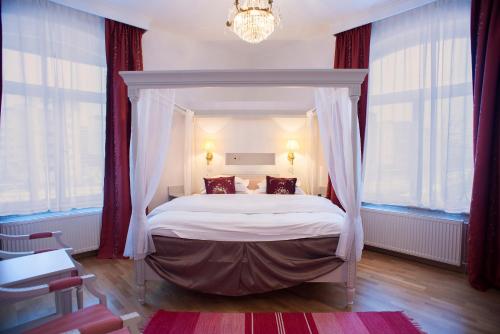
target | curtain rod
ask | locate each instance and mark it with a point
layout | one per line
(184, 110)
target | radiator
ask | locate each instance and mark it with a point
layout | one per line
(425, 236)
(81, 230)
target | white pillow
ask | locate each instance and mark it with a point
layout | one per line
(240, 184)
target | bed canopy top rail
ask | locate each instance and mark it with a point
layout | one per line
(351, 78)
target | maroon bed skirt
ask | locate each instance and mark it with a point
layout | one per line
(241, 268)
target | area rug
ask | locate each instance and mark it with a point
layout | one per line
(280, 323)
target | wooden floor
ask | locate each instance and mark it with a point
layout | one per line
(441, 301)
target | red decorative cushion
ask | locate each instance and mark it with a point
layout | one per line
(280, 185)
(41, 235)
(64, 283)
(220, 185)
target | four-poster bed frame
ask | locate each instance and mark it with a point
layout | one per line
(345, 78)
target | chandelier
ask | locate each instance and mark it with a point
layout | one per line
(252, 20)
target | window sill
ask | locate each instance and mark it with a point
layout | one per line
(412, 211)
(49, 215)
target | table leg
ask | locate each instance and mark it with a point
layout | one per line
(64, 301)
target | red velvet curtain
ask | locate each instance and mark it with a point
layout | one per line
(484, 226)
(352, 50)
(123, 53)
(1, 72)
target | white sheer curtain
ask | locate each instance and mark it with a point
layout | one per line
(419, 130)
(333, 106)
(311, 150)
(152, 133)
(188, 151)
(53, 108)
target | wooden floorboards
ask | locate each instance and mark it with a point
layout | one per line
(441, 301)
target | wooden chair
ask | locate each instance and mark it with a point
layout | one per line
(40, 235)
(95, 319)
(57, 235)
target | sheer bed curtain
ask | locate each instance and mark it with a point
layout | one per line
(310, 153)
(152, 133)
(419, 132)
(333, 106)
(52, 118)
(188, 151)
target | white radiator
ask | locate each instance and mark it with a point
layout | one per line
(434, 238)
(81, 230)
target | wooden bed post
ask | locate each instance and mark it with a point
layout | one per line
(140, 280)
(354, 93)
(133, 95)
(351, 277)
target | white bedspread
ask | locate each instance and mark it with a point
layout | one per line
(246, 217)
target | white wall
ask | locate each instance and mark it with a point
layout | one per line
(248, 135)
(164, 50)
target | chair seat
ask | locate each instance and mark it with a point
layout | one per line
(94, 319)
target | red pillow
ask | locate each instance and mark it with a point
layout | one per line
(220, 185)
(280, 185)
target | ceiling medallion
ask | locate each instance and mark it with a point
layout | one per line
(252, 20)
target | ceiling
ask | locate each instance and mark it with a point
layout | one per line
(205, 19)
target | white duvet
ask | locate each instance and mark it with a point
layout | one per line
(246, 217)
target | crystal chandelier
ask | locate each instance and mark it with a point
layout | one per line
(252, 20)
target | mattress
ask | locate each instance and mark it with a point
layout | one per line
(246, 217)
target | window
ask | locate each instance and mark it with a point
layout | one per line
(419, 128)
(52, 126)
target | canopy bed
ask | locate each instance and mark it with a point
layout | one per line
(239, 244)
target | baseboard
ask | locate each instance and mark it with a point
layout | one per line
(460, 269)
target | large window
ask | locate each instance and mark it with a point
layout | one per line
(53, 108)
(419, 130)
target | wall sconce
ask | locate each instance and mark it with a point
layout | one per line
(292, 145)
(209, 147)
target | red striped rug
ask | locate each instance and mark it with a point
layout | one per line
(280, 323)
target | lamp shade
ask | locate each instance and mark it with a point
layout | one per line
(292, 145)
(208, 146)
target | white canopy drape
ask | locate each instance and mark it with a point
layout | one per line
(311, 148)
(188, 151)
(339, 133)
(151, 132)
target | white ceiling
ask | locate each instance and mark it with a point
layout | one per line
(205, 19)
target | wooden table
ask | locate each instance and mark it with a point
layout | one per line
(39, 269)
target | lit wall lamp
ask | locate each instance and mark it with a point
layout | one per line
(209, 147)
(292, 146)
